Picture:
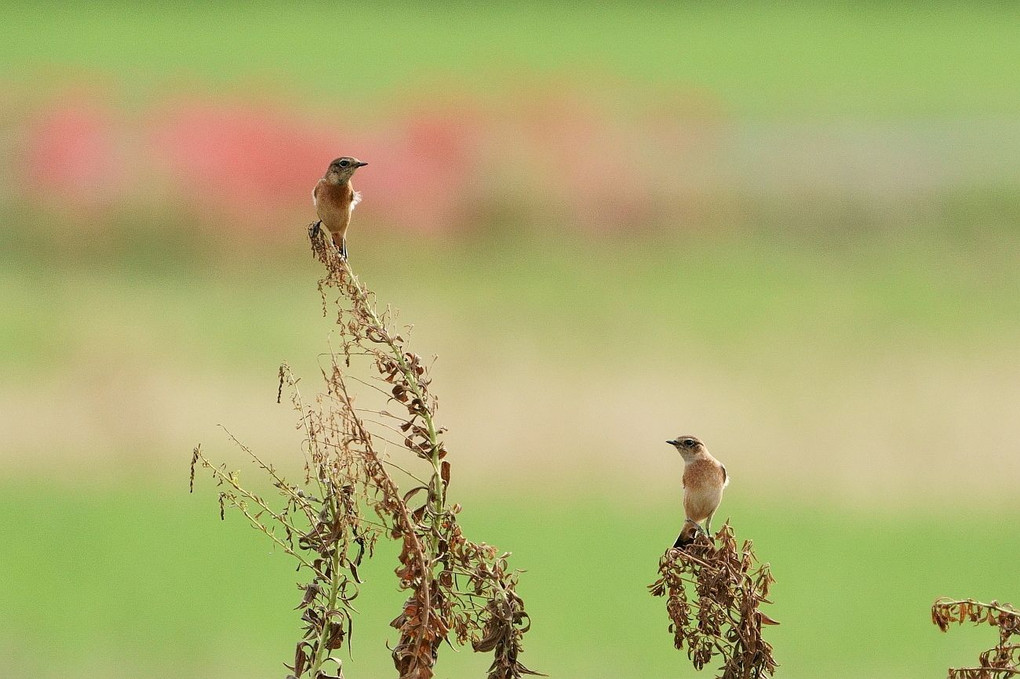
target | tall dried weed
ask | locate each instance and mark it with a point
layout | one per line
(1003, 659)
(713, 593)
(377, 399)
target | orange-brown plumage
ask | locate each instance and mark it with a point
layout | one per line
(335, 198)
(703, 480)
(333, 205)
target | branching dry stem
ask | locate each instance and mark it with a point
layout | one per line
(714, 592)
(1003, 659)
(458, 591)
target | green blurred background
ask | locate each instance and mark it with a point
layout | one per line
(793, 231)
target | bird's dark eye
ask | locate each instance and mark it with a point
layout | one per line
(344, 163)
(689, 443)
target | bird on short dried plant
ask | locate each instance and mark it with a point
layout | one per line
(335, 198)
(704, 479)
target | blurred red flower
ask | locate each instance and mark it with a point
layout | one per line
(423, 170)
(75, 156)
(257, 165)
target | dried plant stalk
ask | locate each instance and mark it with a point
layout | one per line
(1002, 660)
(458, 591)
(713, 593)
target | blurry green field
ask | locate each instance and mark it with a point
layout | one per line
(789, 59)
(121, 582)
(740, 297)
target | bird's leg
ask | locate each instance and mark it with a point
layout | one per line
(708, 525)
(337, 242)
(343, 247)
(314, 231)
(699, 526)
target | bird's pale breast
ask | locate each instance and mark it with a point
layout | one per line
(703, 485)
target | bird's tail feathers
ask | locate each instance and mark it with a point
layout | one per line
(688, 534)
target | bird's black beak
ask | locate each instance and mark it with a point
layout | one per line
(361, 164)
(672, 443)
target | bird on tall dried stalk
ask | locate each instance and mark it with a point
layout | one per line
(335, 198)
(704, 479)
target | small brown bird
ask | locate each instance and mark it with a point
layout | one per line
(334, 199)
(704, 479)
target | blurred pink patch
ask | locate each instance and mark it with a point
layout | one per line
(551, 155)
(75, 158)
(423, 171)
(258, 165)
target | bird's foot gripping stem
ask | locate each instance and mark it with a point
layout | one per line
(704, 531)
